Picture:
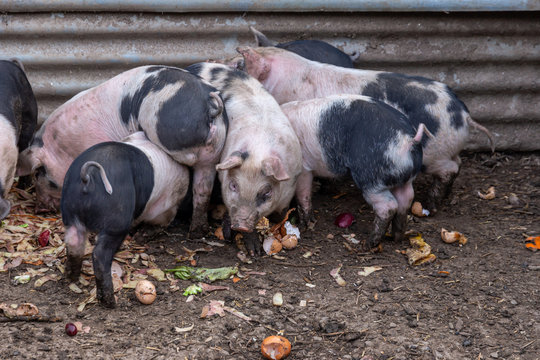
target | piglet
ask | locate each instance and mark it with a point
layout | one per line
(111, 187)
(367, 138)
(18, 119)
(261, 159)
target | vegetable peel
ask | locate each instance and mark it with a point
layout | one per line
(534, 245)
(203, 274)
(420, 252)
(489, 195)
(451, 237)
(335, 274)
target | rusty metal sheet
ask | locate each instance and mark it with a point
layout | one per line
(490, 59)
(266, 6)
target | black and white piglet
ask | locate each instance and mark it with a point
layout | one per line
(367, 138)
(111, 187)
(18, 119)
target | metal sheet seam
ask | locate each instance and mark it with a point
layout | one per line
(267, 6)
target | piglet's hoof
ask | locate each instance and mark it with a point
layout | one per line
(73, 268)
(372, 246)
(197, 231)
(307, 221)
(107, 301)
(253, 244)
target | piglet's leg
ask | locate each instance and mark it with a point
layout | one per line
(385, 206)
(102, 257)
(226, 226)
(203, 182)
(75, 239)
(404, 196)
(444, 173)
(303, 196)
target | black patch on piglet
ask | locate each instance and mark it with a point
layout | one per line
(196, 68)
(158, 79)
(407, 94)
(17, 102)
(132, 178)
(317, 50)
(355, 137)
(220, 74)
(216, 73)
(456, 108)
(184, 119)
(263, 195)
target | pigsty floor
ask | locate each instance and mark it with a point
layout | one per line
(477, 301)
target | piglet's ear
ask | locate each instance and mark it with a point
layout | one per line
(260, 38)
(231, 162)
(254, 64)
(273, 166)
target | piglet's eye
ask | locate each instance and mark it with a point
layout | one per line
(52, 184)
(267, 195)
(233, 186)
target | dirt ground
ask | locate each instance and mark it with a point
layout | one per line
(477, 301)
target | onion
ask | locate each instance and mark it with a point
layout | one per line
(275, 347)
(344, 220)
(71, 329)
(43, 238)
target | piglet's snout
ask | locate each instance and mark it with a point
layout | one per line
(241, 227)
(243, 220)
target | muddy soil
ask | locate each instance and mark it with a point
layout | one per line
(477, 301)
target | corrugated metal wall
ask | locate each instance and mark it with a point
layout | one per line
(492, 59)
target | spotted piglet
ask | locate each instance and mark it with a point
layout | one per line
(111, 187)
(18, 119)
(367, 138)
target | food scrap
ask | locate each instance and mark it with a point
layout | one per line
(192, 290)
(451, 237)
(289, 241)
(420, 252)
(489, 195)
(24, 309)
(368, 270)
(534, 244)
(275, 347)
(203, 274)
(335, 274)
(215, 307)
(277, 299)
(43, 238)
(71, 329)
(344, 220)
(282, 235)
(145, 292)
(418, 211)
(271, 245)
